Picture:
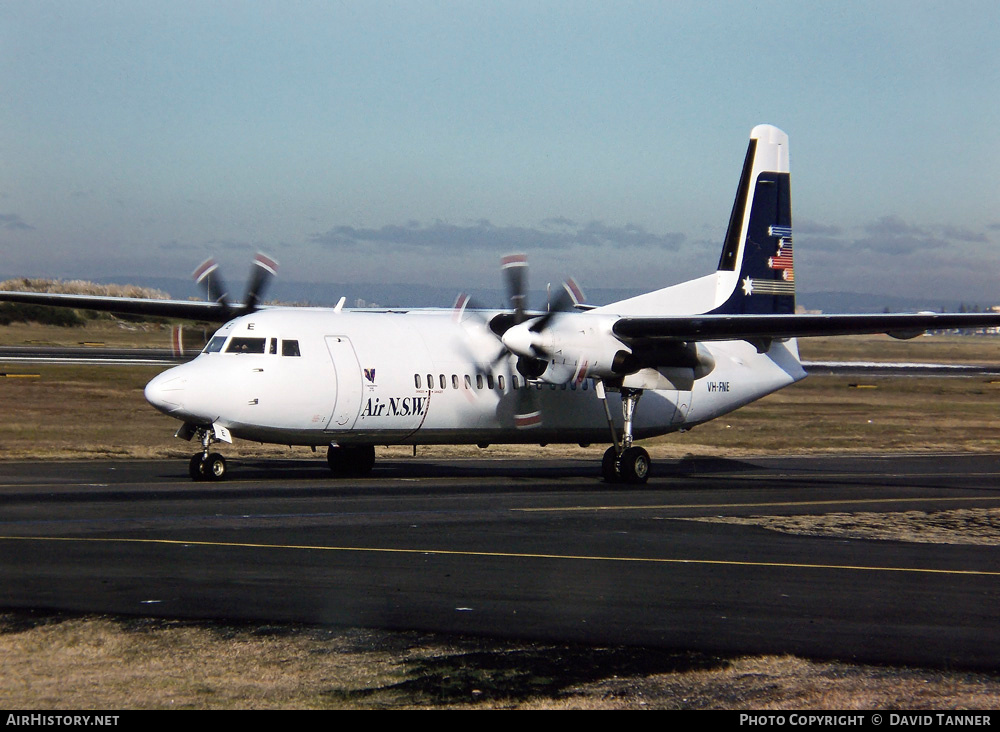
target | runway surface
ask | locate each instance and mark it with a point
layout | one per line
(527, 549)
(97, 355)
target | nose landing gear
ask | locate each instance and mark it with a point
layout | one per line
(205, 465)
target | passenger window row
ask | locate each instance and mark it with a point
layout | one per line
(488, 381)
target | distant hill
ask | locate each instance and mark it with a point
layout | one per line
(395, 295)
(371, 294)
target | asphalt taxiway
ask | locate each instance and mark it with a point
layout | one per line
(518, 548)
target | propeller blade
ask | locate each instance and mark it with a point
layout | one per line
(566, 302)
(207, 274)
(573, 294)
(515, 274)
(462, 301)
(529, 411)
(540, 324)
(466, 307)
(177, 341)
(263, 271)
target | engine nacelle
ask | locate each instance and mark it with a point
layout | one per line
(574, 347)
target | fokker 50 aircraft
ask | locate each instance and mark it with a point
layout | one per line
(657, 363)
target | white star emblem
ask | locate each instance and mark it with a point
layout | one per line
(748, 286)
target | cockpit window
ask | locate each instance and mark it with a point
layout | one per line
(290, 348)
(246, 345)
(215, 345)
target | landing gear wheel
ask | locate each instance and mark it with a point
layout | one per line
(195, 467)
(609, 466)
(634, 465)
(211, 468)
(351, 460)
(214, 468)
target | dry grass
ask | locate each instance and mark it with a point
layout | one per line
(925, 349)
(99, 411)
(828, 414)
(979, 526)
(107, 331)
(59, 662)
(80, 287)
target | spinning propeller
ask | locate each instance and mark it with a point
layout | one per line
(522, 334)
(207, 274)
(263, 270)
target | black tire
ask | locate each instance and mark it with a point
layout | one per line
(609, 466)
(214, 468)
(364, 459)
(196, 467)
(351, 460)
(634, 465)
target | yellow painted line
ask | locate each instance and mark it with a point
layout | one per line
(503, 555)
(842, 474)
(771, 504)
(819, 476)
(21, 376)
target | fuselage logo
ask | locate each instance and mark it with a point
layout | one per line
(414, 406)
(370, 375)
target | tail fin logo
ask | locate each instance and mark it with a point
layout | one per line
(781, 263)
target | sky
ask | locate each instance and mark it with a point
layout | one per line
(418, 142)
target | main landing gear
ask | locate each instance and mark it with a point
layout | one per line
(351, 461)
(631, 466)
(205, 465)
(623, 462)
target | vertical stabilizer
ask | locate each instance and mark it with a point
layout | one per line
(756, 273)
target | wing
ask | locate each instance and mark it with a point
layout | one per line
(219, 311)
(760, 329)
(212, 312)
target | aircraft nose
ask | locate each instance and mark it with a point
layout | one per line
(166, 391)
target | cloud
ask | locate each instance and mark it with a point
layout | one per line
(895, 256)
(805, 226)
(559, 221)
(893, 226)
(889, 235)
(551, 234)
(960, 233)
(13, 222)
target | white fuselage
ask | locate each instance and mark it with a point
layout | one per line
(422, 377)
